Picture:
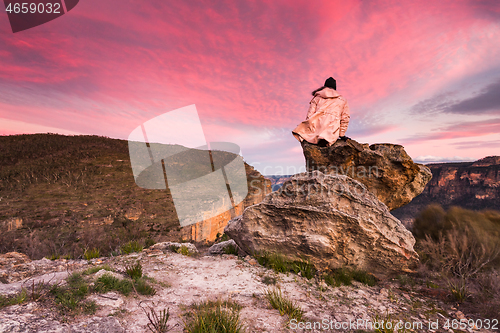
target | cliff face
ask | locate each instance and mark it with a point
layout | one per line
(207, 230)
(471, 185)
(277, 181)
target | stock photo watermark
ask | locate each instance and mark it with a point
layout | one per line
(204, 179)
(390, 325)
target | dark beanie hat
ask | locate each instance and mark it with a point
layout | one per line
(331, 83)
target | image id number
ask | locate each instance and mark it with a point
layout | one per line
(471, 323)
(41, 8)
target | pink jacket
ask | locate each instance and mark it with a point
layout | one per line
(327, 118)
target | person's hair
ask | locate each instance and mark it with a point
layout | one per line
(319, 89)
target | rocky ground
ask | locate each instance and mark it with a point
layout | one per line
(181, 280)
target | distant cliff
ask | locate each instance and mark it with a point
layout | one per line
(277, 181)
(471, 185)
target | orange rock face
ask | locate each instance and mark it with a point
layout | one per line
(471, 185)
(208, 230)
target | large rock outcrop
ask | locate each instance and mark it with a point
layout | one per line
(386, 169)
(331, 220)
(471, 185)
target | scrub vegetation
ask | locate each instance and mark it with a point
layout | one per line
(461, 248)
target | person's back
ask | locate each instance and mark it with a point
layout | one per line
(327, 118)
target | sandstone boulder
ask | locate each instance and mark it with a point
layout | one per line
(174, 247)
(223, 247)
(331, 220)
(386, 169)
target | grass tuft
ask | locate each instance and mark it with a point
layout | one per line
(158, 323)
(143, 288)
(214, 316)
(184, 250)
(91, 254)
(70, 298)
(279, 263)
(345, 276)
(108, 282)
(282, 304)
(135, 271)
(132, 246)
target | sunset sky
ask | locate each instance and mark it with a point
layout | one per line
(418, 73)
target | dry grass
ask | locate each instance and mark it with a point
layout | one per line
(463, 248)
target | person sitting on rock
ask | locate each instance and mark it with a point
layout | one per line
(327, 118)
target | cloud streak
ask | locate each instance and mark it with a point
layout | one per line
(485, 101)
(460, 130)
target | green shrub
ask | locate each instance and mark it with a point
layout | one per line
(459, 289)
(143, 288)
(135, 271)
(18, 298)
(184, 250)
(342, 276)
(275, 261)
(364, 277)
(211, 304)
(284, 305)
(4, 301)
(430, 222)
(21, 297)
(89, 307)
(70, 298)
(91, 254)
(305, 268)
(329, 280)
(405, 280)
(108, 282)
(132, 246)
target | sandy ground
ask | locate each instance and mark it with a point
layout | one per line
(183, 280)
